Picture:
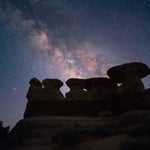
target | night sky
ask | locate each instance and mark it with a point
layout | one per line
(64, 39)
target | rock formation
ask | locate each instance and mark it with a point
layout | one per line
(52, 89)
(131, 89)
(77, 90)
(91, 133)
(94, 102)
(90, 97)
(35, 90)
(44, 101)
(101, 89)
(117, 73)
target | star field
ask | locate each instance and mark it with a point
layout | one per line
(64, 39)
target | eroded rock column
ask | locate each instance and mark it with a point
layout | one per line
(77, 90)
(131, 90)
(52, 89)
(35, 90)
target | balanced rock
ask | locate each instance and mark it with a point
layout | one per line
(35, 90)
(118, 73)
(132, 89)
(101, 89)
(77, 89)
(52, 89)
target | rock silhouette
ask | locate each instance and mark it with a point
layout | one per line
(119, 73)
(132, 89)
(101, 89)
(35, 90)
(92, 96)
(77, 89)
(51, 89)
(131, 93)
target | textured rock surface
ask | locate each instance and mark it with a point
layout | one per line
(39, 133)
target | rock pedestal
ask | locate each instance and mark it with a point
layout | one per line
(132, 89)
(132, 93)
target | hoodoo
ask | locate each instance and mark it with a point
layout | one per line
(131, 90)
(90, 97)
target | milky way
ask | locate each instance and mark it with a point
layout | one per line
(64, 39)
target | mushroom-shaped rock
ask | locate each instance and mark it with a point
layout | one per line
(52, 83)
(77, 89)
(35, 90)
(52, 89)
(118, 73)
(101, 89)
(35, 82)
(132, 89)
